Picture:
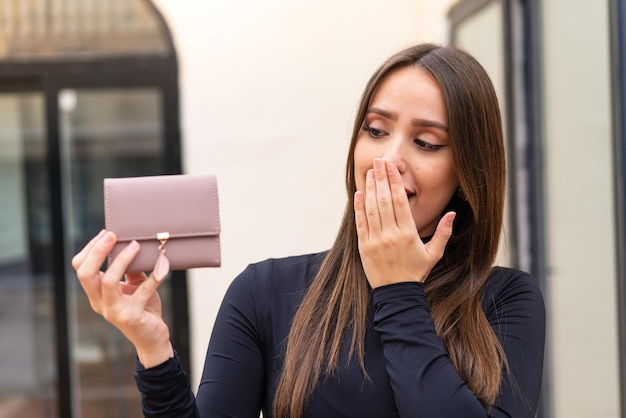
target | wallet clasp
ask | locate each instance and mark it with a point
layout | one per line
(163, 237)
(162, 265)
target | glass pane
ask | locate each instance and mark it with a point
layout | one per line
(28, 374)
(105, 133)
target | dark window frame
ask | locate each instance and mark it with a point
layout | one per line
(521, 19)
(618, 80)
(49, 77)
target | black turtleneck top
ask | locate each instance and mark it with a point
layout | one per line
(410, 374)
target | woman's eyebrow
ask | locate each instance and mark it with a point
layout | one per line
(421, 123)
(382, 113)
(425, 123)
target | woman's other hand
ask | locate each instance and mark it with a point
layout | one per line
(389, 243)
(133, 305)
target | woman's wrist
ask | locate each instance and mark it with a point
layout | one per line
(155, 355)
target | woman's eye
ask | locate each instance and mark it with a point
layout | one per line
(427, 146)
(373, 132)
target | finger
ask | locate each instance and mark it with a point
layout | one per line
(88, 268)
(80, 257)
(90, 265)
(371, 204)
(132, 281)
(127, 288)
(383, 194)
(401, 208)
(360, 218)
(135, 279)
(145, 291)
(130, 288)
(111, 279)
(91, 287)
(438, 243)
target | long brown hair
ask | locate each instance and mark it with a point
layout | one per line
(338, 298)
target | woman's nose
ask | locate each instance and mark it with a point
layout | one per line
(394, 154)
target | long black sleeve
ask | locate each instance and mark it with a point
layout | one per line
(424, 382)
(165, 390)
(233, 379)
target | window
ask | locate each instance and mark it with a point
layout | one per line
(88, 90)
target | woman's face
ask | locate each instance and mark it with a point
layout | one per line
(407, 124)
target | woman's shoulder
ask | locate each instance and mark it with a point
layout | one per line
(287, 265)
(277, 270)
(502, 278)
(506, 286)
(273, 288)
(279, 275)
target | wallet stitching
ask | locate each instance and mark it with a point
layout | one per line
(172, 235)
(107, 217)
(108, 206)
(217, 215)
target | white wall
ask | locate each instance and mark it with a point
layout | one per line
(268, 91)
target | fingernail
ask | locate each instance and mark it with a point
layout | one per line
(378, 164)
(134, 245)
(101, 233)
(451, 218)
(107, 238)
(370, 174)
(390, 168)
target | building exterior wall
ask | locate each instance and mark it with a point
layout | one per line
(268, 93)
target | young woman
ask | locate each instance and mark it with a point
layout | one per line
(404, 316)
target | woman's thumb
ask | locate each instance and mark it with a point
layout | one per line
(438, 242)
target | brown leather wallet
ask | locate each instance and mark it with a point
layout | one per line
(175, 218)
